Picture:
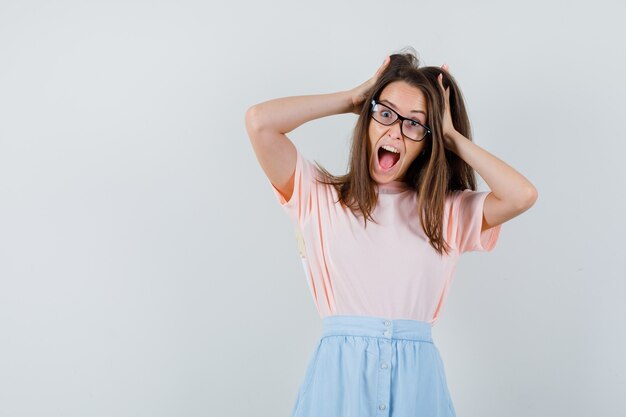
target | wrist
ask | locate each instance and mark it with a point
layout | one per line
(347, 97)
(452, 139)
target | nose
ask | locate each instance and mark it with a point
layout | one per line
(395, 130)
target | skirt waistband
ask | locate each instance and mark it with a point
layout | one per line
(377, 327)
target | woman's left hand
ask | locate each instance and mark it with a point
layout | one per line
(448, 127)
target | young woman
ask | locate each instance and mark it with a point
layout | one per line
(380, 244)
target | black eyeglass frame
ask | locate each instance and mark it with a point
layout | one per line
(402, 119)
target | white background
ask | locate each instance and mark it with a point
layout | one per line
(146, 269)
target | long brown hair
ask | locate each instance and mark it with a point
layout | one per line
(435, 172)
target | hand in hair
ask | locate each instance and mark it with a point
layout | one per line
(447, 125)
(359, 93)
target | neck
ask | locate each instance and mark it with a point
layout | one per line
(393, 186)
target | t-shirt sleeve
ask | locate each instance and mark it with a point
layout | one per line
(298, 207)
(466, 219)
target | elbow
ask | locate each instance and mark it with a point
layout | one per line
(533, 194)
(529, 199)
(257, 118)
(252, 119)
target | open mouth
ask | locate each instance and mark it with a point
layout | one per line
(387, 159)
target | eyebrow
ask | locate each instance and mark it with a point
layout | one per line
(395, 108)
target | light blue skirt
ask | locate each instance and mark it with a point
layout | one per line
(365, 366)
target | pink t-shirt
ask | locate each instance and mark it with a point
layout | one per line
(387, 269)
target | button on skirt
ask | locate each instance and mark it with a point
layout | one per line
(365, 366)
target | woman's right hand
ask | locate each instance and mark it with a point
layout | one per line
(360, 93)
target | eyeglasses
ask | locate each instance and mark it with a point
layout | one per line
(410, 128)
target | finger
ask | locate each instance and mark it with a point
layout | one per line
(382, 67)
(446, 90)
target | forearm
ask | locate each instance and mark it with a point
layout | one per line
(287, 113)
(503, 180)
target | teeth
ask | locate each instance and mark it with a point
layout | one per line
(390, 148)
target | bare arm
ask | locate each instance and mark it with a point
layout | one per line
(268, 122)
(511, 193)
